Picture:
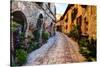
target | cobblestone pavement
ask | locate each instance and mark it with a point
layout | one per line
(59, 49)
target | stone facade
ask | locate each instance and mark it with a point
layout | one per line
(31, 11)
(83, 15)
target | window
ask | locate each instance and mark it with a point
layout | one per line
(84, 6)
(49, 5)
(74, 13)
(39, 3)
(85, 21)
(66, 18)
(86, 24)
(79, 20)
(39, 21)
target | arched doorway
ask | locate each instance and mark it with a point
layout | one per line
(20, 18)
(18, 25)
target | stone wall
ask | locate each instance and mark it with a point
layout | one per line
(32, 10)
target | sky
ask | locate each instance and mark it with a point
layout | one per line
(61, 7)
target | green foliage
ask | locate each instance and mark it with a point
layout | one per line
(84, 51)
(45, 35)
(21, 56)
(87, 46)
(75, 32)
(34, 43)
(87, 49)
(83, 42)
(14, 26)
(21, 42)
(21, 50)
(32, 46)
(36, 33)
(20, 53)
(91, 59)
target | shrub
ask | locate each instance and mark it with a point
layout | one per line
(91, 59)
(21, 56)
(87, 46)
(33, 46)
(87, 49)
(14, 26)
(84, 51)
(45, 35)
(36, 33)
(75, 33)
(83, 42)
(21, 40)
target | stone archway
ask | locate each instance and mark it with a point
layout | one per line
(20, 18)
(19, 23)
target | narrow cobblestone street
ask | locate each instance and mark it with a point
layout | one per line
(59, 49)
(45, 33)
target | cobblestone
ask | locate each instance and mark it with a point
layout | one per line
(63, 50)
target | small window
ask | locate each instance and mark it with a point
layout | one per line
(39, 3)
(84, 6)
(66, 18)
(74, 13)
(39, 21)
(49, 5)
(40, 16)
(86, 22)
(79, 20)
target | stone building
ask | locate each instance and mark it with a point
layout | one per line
(28, 13)
(82, 15)
(32, 15)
